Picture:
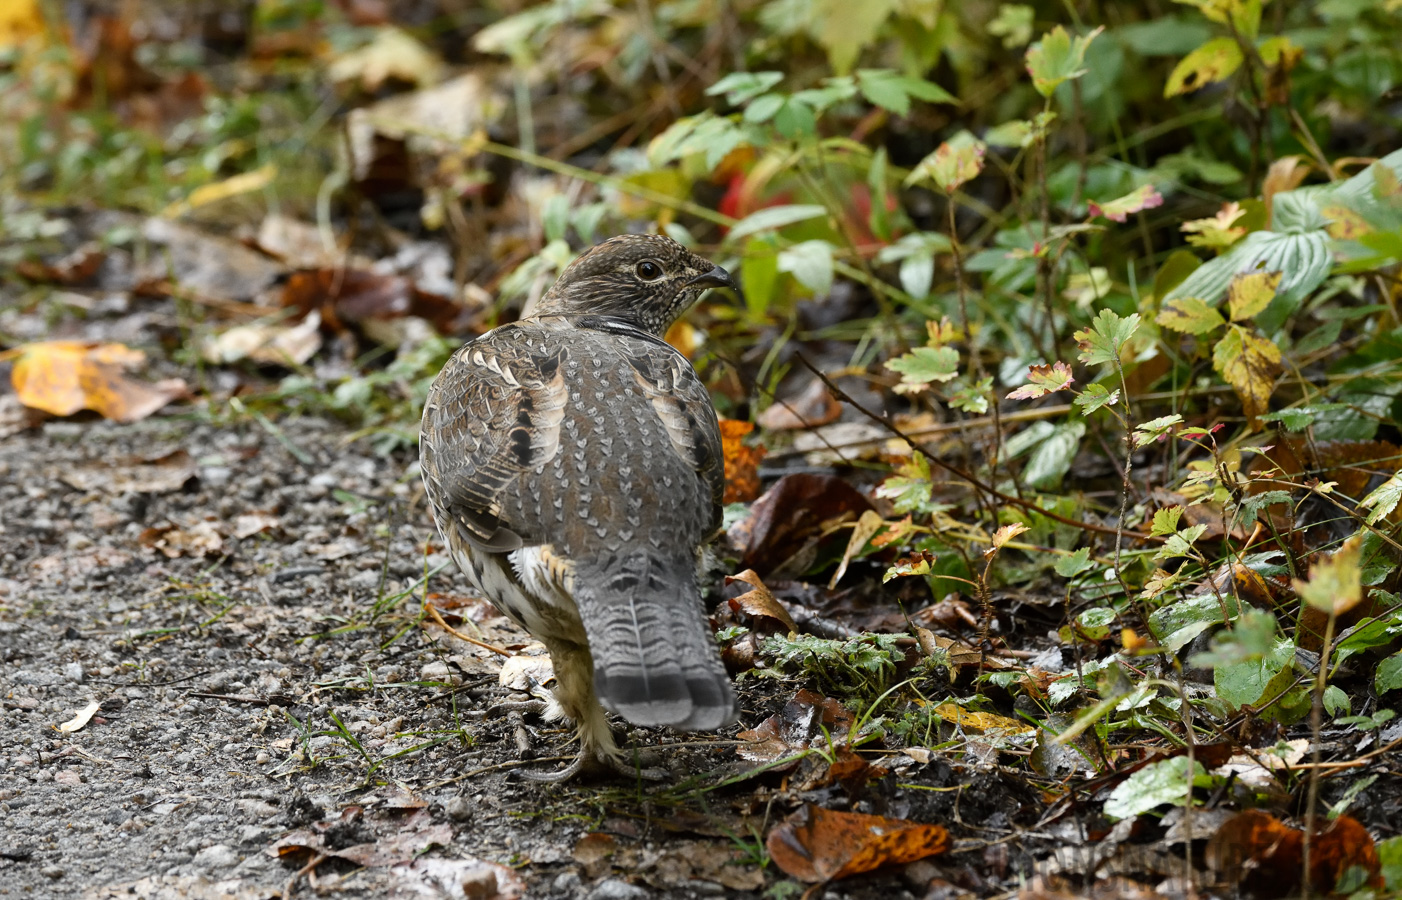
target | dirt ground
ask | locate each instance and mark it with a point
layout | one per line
(244, 605)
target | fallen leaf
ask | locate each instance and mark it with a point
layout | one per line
(234, 186)
(981, 722)
(350, 296)
(741, 461)
(81, 719)
(63, 377)
(868, 524)
(806, 718)
(249, 524)
(271, 343)
(815, 844)
(77, 267)
(20, 20)
(163, 474)
(760, 603)
(469, 878)
(1257, 853)
(791, 518)
(814, 407)
(201, 539)
(391, 54)
(413, 836)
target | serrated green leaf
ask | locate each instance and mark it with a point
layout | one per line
(1166, 521)
(1073, 564)
(954, 162)
(1383, 499)
(926, 364)
(1057, 58)
(1106, 337)
(1094, 397)
(1190, 316)
(741, 87)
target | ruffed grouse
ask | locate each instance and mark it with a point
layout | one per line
(573, 462)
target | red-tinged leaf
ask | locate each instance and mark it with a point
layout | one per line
(1117, 210)
(815, 844)
(1043, 380)
(1007, 533)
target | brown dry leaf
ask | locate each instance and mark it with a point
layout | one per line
(63, 377)
(1285, 174)
(209, 266)
(77, 267)
(791, 517)
(346, 296)
(201, 539)
(815, 844)
(741, 461)
(412, 836)
(593, 851)
(868, 524)
(806, 718)
(1264, 857)
(957, 654)
(760, 603)
(163, 474)
(810, 409)
(471, 878)
(298, 244)
(249, 524)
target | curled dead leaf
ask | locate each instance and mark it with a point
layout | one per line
(760, 603)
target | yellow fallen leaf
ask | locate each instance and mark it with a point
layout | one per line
(63, 377)
(244, 183)
(82, 718)
(981, 722)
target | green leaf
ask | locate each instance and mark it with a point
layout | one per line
(796, 119)
(1105, 339)
(1390, 855)
(1389, 675)
(1176, 624)
(1017, 133)
(909, 489)
(759, 271)
(1043, 380)
(774, 217)
(1057, 58)
(1336, 701)
(1190, 316)
(1251, 637)
(954, 162)
(1094, 397)
(1154, 429)
(1250, 681)
(741, 87)
(811, 263)
(1213, 61)
(916, 253)
(892, 91)
(926, 364)
(971, 398)
(846, 27)
(1168, 781)
(764, 108)
(1118, 210)
(1074, 564)
(1166, 521)
(879, 219)
(1303, 260)
(1383, 499)
(1052, 459)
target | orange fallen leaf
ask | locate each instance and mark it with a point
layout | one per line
(816, 844)
(741, 461)
(63, 377)
(1262, 855)
(760, 603)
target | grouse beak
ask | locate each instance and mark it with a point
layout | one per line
(716, 277)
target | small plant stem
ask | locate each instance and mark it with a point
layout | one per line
(1316, 723)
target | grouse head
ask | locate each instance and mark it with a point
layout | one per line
(647, 280)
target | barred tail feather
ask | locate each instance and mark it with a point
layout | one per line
(655, 662)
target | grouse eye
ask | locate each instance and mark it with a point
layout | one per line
(648, 270)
